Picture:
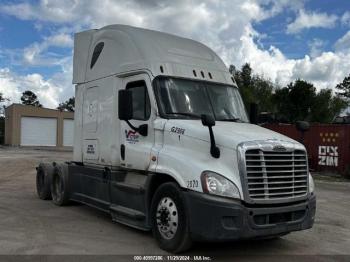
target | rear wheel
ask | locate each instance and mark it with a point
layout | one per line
(43, 180)
(60, 186)
(170, 224)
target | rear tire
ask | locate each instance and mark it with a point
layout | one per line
(60, 188)
(170, 223)
(43, 180)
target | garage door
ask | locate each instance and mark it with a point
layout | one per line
(36, 131)
(68, 132)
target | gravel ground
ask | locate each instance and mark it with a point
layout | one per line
(32, 226)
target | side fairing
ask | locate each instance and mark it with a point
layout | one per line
(96, 135)
(78, 123)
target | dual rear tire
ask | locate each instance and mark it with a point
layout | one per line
(60, 188)
(44, 174)
(52, 183)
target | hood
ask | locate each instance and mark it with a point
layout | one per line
(227, 134)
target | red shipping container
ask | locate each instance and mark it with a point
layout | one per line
(328, 145)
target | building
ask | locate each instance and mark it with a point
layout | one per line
(33, 126)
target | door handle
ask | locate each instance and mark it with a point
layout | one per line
(106, 174)
(122, 151)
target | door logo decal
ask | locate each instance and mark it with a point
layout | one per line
(131, 136)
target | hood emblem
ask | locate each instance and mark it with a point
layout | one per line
(279, 148)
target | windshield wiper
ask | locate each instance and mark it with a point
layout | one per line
(230, 120)
(184, 114)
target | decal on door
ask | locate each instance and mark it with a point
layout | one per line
(177, 130)
(131, 136)
(90, 149)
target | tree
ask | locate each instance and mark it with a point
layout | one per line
(337, 106)
(246, 75)
(262, 93)
(344, 87)
(301, 97)
(2, 129)
(294, 102)
(2, 118)
(68, 105)
(299, 101)
(29, 98)
(254, 88)
(2, 99)
(281, 102)
(2, 107)
(326, 106)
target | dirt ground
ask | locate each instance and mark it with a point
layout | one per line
(29, 225)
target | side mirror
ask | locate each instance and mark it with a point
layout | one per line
(208, 120)
(253, 113)
(125, 111)
(125, 107)
(302, 126)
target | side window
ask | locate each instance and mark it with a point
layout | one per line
(140, 100)
(97, 51)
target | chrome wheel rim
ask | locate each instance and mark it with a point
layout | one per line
(167, 218)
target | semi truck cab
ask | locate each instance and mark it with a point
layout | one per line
(163, 143)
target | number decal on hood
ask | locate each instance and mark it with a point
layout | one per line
(192, 183)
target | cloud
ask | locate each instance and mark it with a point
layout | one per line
(345, 19)
(306, 20)
(50, 90)
(32, 55)
(324, 71)
(12, 86)
(343, 44)
(47, 10)
(316, 46)
(225, 26)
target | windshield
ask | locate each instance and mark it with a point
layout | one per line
(189, 99)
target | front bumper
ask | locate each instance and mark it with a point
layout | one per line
(220, 219)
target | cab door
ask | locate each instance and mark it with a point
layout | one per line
(135, 148)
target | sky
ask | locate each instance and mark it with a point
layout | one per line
(282, 40)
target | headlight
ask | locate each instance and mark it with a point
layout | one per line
(311, 184)
(215, 184)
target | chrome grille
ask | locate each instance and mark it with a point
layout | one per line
(276, 175)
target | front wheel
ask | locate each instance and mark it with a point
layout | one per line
(170, 225)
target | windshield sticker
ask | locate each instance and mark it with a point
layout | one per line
(131, 136)
(177, 130)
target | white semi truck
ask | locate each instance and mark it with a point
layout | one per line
(162, 142)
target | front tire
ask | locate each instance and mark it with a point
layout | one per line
(170, 223)
(60, 189)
